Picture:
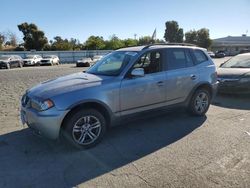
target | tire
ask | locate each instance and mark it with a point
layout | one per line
(20, 65)
(85, 128)
(200, 102)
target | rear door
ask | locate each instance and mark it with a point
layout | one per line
(181, 74)
(142, 93)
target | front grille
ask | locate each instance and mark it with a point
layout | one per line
(44, 61)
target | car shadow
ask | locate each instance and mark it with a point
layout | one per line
(30, 161)
(241, 102)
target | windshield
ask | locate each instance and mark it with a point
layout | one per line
(4, 57)
(47, 56)
(112, 64)
(29, 56)
(242, 61)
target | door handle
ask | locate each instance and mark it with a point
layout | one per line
(193, 77)
(160, 83)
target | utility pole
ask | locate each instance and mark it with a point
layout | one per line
(135, 35)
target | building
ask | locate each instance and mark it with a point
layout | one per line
(231, 45)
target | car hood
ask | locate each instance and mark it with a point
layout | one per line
(232, 72)
(65, 84)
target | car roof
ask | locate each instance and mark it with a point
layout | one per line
(160, 46)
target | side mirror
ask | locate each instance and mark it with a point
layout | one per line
(138, 72)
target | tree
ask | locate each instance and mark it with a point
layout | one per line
(172, 32)
(11, 39)
(2, 39)
(95, 43)
(33, 37)
(114, 43)
(130, 42)
(145, 40)
(200, 38)
(75, 43)
(191, 37)
(61, 44)
(203, 38)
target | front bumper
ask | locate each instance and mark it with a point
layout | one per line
(46, 123)
(3, 65)
(28, 63)
(234, 87)
(82, 64)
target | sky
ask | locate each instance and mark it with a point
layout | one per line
(83, 18)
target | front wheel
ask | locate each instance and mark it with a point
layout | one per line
(200, 102)
(85, 128)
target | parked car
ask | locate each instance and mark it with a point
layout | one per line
(126, 82)
(50, 60)
(245, 51)
(211, 54)
(10, 61)
(32, 60)
(97, 58)
(234, 75)
(84, 62)
(220, 54)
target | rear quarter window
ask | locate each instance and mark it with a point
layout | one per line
(199, 56)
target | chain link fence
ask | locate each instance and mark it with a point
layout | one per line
(65, 56)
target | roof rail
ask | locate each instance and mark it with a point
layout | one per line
(168, 43)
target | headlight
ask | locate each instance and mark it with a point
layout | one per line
(244, 80)
(42, 106)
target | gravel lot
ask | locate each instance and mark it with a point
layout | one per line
(170, 150)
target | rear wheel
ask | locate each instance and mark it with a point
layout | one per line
(200, 102)
(85, 128)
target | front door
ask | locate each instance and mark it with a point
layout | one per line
(142, 93)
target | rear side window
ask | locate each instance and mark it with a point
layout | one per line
(178, 58)
(199, 56)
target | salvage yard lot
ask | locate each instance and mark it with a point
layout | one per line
(169, 150)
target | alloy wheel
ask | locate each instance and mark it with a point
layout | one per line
(86, 130)
(201, 102)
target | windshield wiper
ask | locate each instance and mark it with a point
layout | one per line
(235, 66)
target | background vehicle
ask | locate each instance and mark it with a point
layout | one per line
(234, 75)
(10, 61)
(84, 62)
(245, 51)
(32, 60)
(211, 54)
(124, 83)
(96, 58)
(220, 54)
(50, 60)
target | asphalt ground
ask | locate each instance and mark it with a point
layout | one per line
(172, 149)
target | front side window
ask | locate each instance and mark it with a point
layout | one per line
(150, 62)
(112, 64)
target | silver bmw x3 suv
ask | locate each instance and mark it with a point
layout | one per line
(125, 82)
